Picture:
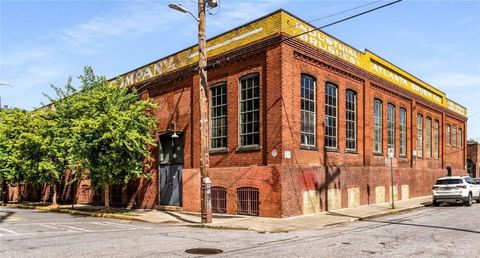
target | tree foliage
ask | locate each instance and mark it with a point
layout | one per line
(101, 127)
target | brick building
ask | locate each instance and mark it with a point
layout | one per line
(473, 159)
(298, 125)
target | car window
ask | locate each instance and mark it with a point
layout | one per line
(449, 181)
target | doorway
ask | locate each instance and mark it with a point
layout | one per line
(171, 167)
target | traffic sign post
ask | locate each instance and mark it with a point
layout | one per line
(391, 154)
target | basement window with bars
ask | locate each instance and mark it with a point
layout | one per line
(219, 199)
(377, 126)
(248, 201)
(331, 116)
(350, 120)
(391, 127)
(403, 132)
(308, 117)
(419, 135)
(218, 114)
(250, 110)
(428, 137)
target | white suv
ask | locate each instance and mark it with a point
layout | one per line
(456, 189)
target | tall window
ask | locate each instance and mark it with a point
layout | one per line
(330, 115)
(391, 127)
(435, 139)
(218, 114)
(377, 126)
(403, 132)
(428, 137)
(454, 136)
(447, 134)
(460, 138)
(419, 135)
(308, 125)
(250, 110)
(351, 120)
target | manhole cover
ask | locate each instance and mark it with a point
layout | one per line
(204, 251)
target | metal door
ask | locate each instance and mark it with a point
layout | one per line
(171, 166)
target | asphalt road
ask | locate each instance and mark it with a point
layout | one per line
(449, 231)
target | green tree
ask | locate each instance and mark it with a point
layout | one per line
(13, 166)
(113, 131)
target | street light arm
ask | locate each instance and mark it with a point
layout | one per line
(180, 8)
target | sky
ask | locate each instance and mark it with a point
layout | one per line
(46, 42)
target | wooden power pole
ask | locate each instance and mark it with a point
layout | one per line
(206, 184)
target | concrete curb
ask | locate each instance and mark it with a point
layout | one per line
(75, 212)
(211, 226)
(288, 229)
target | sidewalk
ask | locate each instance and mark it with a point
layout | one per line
(224, 221)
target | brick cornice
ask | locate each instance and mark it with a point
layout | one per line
(327, 67)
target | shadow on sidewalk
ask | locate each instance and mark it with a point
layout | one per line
(423, 226)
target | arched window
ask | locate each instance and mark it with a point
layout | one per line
(419, 135)
(219, 199)
(248, 201)
(331, 115)
(377, 126)
(351, 120)
(391, 127)
(308, 111)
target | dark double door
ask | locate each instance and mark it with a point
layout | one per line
(171, 166)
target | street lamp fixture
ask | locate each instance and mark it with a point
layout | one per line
(180, 8)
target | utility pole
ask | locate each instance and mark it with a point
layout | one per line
(206, 201)
(204, 93)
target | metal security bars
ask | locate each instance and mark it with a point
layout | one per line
(248, 201)
(250, 110)
(350, 120)
(377, 126)
(219, 199)
(330, 116)
(218, 114)
(308, 117)
(391, 127)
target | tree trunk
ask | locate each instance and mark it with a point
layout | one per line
(54, 197)
(107, 196)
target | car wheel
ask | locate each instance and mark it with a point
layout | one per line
(469, 200)
(435, 203)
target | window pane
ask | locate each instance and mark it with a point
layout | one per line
(391, 127)
(250, 111)
(403, 132)
(428, 135)
(377, 126)
(350, 120)
(330, 116)
(448, 134)
(419, 135)
(218, 109)
(308, 126)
